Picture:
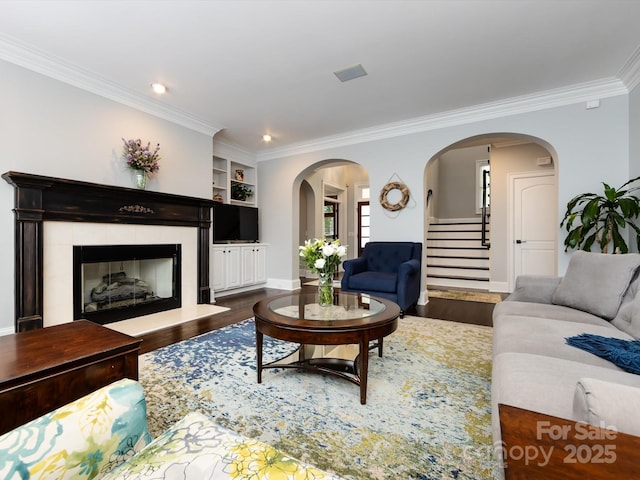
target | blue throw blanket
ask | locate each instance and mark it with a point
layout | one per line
(623, 353)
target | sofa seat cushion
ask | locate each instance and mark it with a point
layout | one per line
(544, 384)
(197, 448)
(543, 310)
(596, 282)
(374, 282)
(543, 336)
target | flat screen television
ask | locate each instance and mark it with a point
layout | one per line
(234, 223)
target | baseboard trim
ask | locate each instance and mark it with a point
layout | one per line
(502, 287)
(6, 331)
(283, 284)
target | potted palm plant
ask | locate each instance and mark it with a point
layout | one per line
(599, 219)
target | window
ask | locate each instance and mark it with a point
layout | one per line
(364, 225)
(331, 217)
(483, 166)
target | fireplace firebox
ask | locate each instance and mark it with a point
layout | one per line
(117, 282)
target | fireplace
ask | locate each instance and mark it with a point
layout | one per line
(113, 216)
(116, 282)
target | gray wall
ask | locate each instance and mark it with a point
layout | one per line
(456, 186)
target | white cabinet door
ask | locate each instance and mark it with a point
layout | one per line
(225, 267)
(260, 265)
(254, 264)
(233, 267)
(248, 265)
(217, 268)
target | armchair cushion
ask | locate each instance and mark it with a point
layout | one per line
(375, 281)
(387, 256)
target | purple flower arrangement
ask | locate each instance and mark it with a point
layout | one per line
(141, 157)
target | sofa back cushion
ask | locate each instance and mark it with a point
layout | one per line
(596, 282)
(386, 257)
(628, 317)
(86, 438)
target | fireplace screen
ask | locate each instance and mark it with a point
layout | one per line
(115, 282)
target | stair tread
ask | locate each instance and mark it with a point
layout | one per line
(458, 248)
(458, 257)
(462, 267)
(459, 277)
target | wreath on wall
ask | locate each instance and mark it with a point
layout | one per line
(400, 204)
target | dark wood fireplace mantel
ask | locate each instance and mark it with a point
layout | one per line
(39, 199)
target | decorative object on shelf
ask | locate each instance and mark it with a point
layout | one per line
(240, 191)
(601, 217)
(218, 198)
(323, 258)
(240, 175)
(141, 159)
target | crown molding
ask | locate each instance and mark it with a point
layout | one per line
(18, 53)
(227, 149)
(583, 92)
(630, 72)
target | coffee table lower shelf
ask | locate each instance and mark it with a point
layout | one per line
(319, 359)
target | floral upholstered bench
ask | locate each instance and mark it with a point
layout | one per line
(105, 436)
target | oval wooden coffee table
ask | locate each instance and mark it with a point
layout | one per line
(324, 333)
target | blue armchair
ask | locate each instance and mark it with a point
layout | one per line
(386, 269)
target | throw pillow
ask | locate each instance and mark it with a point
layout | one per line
(622, 353)
(596, 282)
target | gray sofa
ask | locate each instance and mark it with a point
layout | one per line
(536, 370)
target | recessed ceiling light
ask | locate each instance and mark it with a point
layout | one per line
(266, 137)
(159, 88)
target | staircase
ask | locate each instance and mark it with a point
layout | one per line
(456, 257)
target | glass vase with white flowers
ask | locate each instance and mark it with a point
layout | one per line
(323, 257)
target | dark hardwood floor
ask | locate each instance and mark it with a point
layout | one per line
(241, 307)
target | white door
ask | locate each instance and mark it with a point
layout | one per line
(535, 225)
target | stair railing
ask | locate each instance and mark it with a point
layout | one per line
(485, 210)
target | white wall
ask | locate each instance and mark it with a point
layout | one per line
(51, 128)
(591, 145)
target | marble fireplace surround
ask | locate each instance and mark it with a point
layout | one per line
(53, 214)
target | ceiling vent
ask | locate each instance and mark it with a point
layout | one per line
(350, 73)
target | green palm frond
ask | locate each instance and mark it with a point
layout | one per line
(600, 219)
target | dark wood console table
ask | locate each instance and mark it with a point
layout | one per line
(43, 369)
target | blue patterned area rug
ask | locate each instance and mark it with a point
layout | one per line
(428, 402)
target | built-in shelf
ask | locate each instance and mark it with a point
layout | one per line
(232, 181)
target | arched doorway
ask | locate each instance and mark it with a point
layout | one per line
(522, 206)
(329, 194)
